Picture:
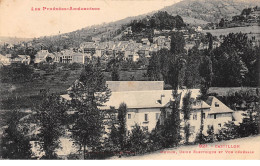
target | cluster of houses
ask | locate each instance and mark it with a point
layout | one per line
(128, 50)
(147, 103)
(8, 60)
(131, 50)
(252, 17)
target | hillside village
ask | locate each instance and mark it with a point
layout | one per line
(129, 50)
(132, 43)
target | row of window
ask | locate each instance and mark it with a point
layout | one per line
(146, 118)
(157, 116)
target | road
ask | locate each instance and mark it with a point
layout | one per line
(242, 148)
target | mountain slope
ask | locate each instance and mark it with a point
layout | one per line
(210, 10)
(192, 12)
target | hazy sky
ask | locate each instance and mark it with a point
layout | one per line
(17, 19)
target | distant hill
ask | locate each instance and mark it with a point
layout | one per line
(192, 12)
(12, 40)
(210, 10)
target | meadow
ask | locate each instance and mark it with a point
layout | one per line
(250, 30)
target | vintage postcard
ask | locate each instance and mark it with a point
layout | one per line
(129, 80)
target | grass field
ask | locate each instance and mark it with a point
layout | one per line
(24, 95)
(251, 30)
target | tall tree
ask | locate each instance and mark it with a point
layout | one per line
(165, 57)
(51, 117)
(203, 96)
(113, 66)
(210, 40)
(153, 70)
(187, 108)
(177, 43)
(205, 70)
(170, 131)
(122, 110)
(88, 93)
(176, 72)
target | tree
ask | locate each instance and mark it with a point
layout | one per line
(222, 22)
(113, 66)
(170, 130)
(228, 68)
(153, 70)
(115, 74)
(164, 57)
(210, 40)
(229, 131)
(16, 73)
(137, 141)
(192, 77)
(177, 72)
(88, 93)
(203, 96)
(122, 110)
(177, 43)
(51, 116)
(14, 142)
(205, 70)
(187, 103)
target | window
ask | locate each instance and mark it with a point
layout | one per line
(129, 116)
(157, 116)
(194, 116)
(145, 117)
(215, 116)
(216, 104)
(219, 125)
(203, 115)
(192, 129)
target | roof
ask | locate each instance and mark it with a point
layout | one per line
(221, 108)
(117, 86)
(147, 99)
(150, 94)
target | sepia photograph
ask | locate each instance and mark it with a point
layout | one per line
(129, 80)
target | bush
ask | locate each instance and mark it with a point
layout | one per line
(137, 142)
(16, 73)
(230, 131)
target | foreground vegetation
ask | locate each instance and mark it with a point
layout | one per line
(234, 63)
(53, 118)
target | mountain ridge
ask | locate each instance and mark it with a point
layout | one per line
(193, 11)
(209, 10)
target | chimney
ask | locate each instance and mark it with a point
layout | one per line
(163, 102)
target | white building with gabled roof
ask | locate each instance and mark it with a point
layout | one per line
(147, 100)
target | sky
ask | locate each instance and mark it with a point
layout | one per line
(18, 20)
